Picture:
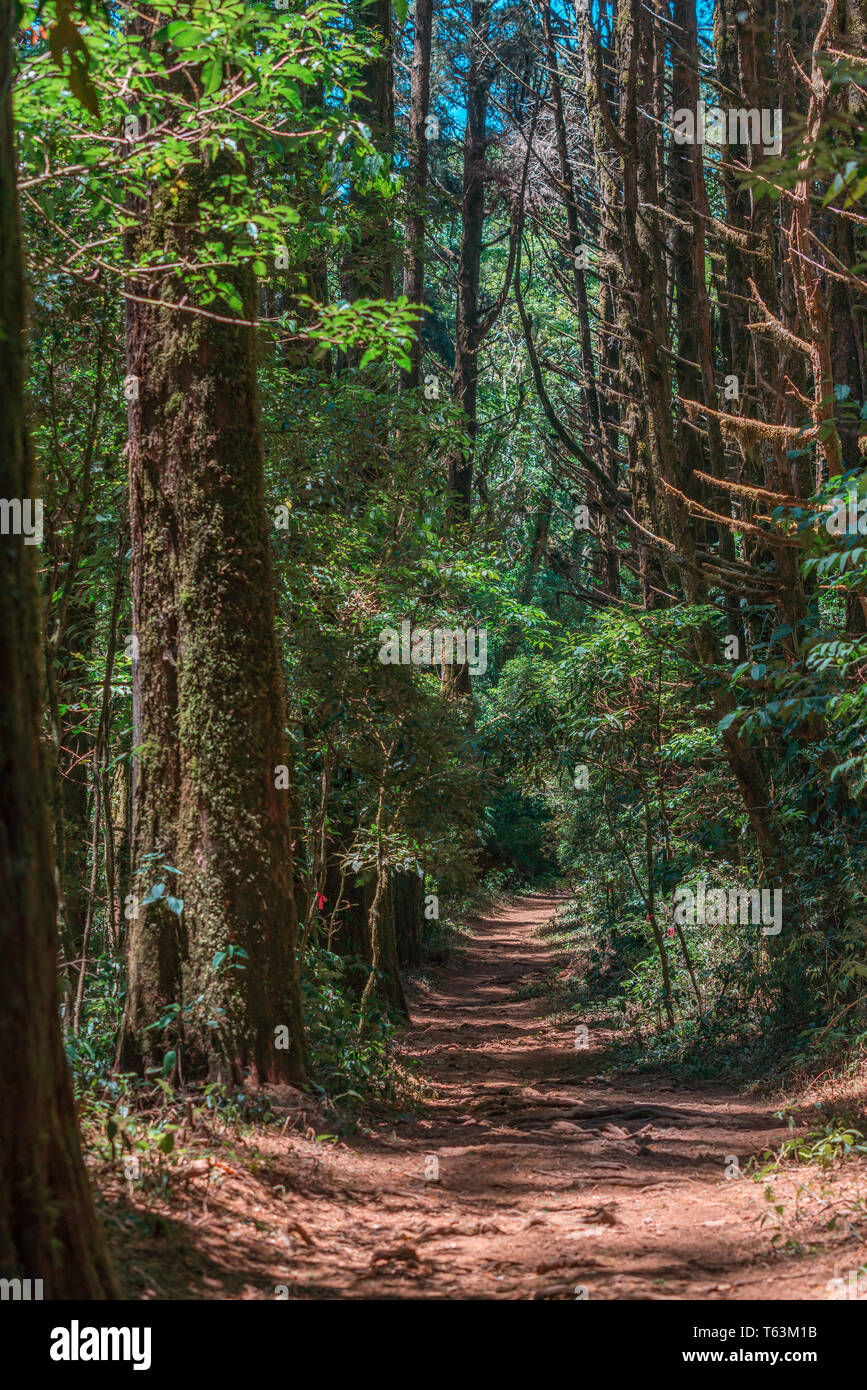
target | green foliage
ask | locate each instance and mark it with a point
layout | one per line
(833, 1142)
(254, 113)
(390, 771)
(354, 1061)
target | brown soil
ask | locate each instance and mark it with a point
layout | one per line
(525, 1176)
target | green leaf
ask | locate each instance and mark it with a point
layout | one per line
(212, 75)
(180, 33)
(81, 86)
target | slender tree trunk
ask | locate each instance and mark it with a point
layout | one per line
(609, 568)
(74, 743)
(416, 176)
(653, 454)
(466, 370)
(368, 268)
(384, 980)
(614, 130)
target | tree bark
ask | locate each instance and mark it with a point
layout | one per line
(48, 1223)
(416, 176)
(406, 909)
(466, 370)
(368, 268)
(209, 686)
(608, 569)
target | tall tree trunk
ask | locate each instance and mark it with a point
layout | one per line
(368, 268)
(406, 907)
(644, 296)
(48, 1224)
(416, 176)
(609, 568)
(74, 742)
(383, 981)
(640, 293)
(613, 128)
(209, 799)
(466, 370)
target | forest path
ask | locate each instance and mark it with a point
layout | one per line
(546, 1178)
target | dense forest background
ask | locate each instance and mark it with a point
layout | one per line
(444, 431)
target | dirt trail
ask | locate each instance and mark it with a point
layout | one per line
(523, 1178)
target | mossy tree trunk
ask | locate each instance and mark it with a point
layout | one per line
(209, 687)
(48, 1224)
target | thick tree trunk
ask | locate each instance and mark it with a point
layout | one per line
(406, 909)
(48, 1224)
(209, 800)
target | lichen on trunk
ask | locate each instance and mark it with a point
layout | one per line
(208, 802)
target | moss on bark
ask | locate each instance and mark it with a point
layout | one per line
(209, 699)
